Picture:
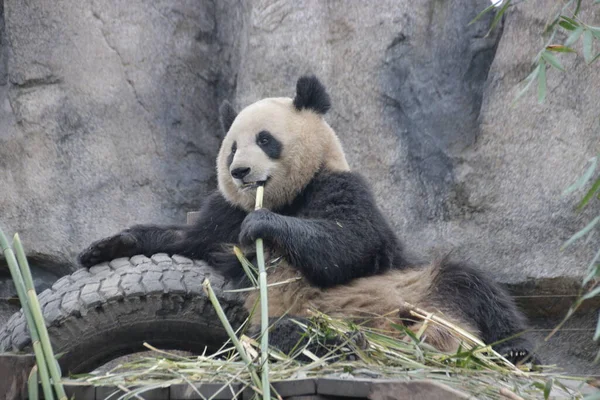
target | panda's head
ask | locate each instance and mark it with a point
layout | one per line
(279, 142)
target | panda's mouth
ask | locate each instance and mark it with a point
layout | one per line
(253, 185)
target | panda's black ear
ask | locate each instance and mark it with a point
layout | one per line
(227, 115)
(311, 94)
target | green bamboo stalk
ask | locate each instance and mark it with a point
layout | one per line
(40, 359)
(33, 385)
(229, 329)
(264, 304)
(38, 318)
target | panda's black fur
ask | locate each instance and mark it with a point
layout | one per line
(311, 94)
(334, 234)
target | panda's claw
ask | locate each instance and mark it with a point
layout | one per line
(520, 356)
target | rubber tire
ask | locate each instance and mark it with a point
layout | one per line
(97, 314)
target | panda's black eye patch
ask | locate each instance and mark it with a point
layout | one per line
(232, 153)
(271, 146)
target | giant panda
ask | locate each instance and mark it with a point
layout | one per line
(335, 248)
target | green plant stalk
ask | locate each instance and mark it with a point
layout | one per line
(32, 384)
(264, 304)
(38, 318)
(229, 329)
(35, 339)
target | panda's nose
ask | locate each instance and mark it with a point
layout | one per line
(240, 173)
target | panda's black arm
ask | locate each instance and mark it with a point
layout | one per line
(218, 224)
(337, 234)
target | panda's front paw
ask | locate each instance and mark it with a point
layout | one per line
(519, 354)
(123, 244)
(259, 224)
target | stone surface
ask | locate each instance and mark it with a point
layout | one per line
(108, 118)
(108, 114)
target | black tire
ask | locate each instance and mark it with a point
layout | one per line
(97, 314)
(45, 269)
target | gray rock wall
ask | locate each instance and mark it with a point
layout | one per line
(108, 114)
(108, 117)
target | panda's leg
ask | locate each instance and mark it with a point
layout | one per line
(485, 305)
(218, 224)
(139, 239)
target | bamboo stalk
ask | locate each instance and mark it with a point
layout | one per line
(33, 332)
(264, 304)
(223, 318)
(38, 318)
(33, 385)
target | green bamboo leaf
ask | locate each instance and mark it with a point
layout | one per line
(560, 48)
(498, 16)
(542, 87)
(573, 37)
(584, 178)
(567, 25)
(530, 79)
(247, 266)
(570, 20)
(581, 233)
(481, 14)
(596, 1)
(553, 60)
(548, 388)
(539, 385)
(591, 294)
(597, 333)
(587, 46)
(588, 196)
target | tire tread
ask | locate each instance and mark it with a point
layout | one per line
(77, 303)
